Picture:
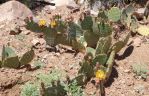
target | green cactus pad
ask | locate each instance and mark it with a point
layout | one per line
(103, 45)
(78, 46)
(7, 52)
(27, 57)
(100, 58)
(109, 63)
(129, 9)
(134, 24)
(90, 50)
(104, 29)
(123, 17)
(90, 38)
(31, 25)
(95, 27)
(11, 62)
(102, 15)
(126, 38)
(86, 69)
(87, 23)
(114, 14)
(81, 79)
(118, 46)
(50, 36)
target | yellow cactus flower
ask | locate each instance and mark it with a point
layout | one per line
(100, 74)
(53, 24)
(42, 22)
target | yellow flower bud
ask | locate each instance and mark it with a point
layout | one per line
(53, 24)
(42, 22)
(100, 74)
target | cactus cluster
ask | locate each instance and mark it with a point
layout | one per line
(57, 31)
(11, 60)
(103, 55)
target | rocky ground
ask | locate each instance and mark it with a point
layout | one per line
(121, 83)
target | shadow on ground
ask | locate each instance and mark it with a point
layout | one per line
(126, 53)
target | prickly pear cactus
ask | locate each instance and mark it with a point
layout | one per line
(126, 18)
(103, 45)
(129, 9)
(71, 31)
(31, 25)
(9, 58)
(120, 44)
(90, 38)
(50, 36)
(87, 23)
(11, 62)
(104, 29)
(86, 69)
(134, 24)
(114, 14)
(90, 50)
(109, 63)
(102, 15)
(95, 26)
(100, 59)
(27, 57)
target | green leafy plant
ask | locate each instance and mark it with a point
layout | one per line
(140, 70)
(30, 89)
(52, 84)
(11, 60)
(73, 89)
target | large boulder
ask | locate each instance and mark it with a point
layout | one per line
(12, 10)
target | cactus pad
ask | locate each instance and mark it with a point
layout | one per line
(103, 45)
(114, 14)
(87, 23)
(27, 57)
(90, 50)
(104, 29)
(86, 69)
(90, 38)
(100, 58)
(11, 62)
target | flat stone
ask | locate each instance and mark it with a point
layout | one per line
(12, 10)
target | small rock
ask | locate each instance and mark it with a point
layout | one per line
(59, 2)
(57, 54)
(140, 10)
(130, 82)
(139, 89)
(12, 10)
(94, 13)
(127, 71)
(137, 42)
(42, 41)
(72, 5)
(35, 42)
(14, 30)
(27, 32)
